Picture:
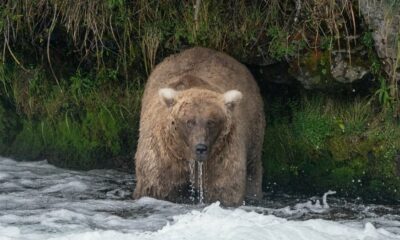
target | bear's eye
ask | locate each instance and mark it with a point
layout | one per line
(210, 123)
(190, 123)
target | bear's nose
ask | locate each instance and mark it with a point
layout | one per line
(201, 149)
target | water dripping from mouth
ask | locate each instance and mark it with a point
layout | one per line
(196, 189)
(192, 179)
(200, 180)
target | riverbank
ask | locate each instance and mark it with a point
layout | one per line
(71, 80)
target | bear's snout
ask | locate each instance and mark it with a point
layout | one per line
(201, 151)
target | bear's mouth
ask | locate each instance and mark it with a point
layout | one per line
(201, 157)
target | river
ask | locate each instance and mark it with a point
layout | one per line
(39, 201)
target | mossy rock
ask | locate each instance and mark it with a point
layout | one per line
(329, 71)
(312, 70)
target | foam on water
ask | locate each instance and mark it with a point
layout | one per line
(39, 201)
(215, 222)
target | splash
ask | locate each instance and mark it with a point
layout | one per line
(324, 198)
(200, 181)
(192, 179)
(196, 182)
(41, 202)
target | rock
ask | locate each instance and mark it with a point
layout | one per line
(383, 19)
(345, 72)
(309, 70)
(323, 70)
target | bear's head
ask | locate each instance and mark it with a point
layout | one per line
(199, 118)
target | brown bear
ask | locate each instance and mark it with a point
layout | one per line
(201, 105)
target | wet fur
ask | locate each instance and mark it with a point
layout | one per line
(234, 169)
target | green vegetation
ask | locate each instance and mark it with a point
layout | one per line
(80, 125)
(72, 75)
(332, 144)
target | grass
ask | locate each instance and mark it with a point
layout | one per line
(337, 145)
(132, 31)
(87, 124)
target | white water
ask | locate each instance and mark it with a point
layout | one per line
(39, 201)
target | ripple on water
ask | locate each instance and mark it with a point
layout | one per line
(40, 201)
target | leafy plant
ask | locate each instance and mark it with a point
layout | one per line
(383, 93)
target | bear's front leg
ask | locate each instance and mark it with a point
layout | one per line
(161, 183)
(227, 185)
(146, 188)
(161, 190)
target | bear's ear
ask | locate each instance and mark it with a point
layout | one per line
(167, 96)
(232, 98)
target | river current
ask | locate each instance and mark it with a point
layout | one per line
(39, 201)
